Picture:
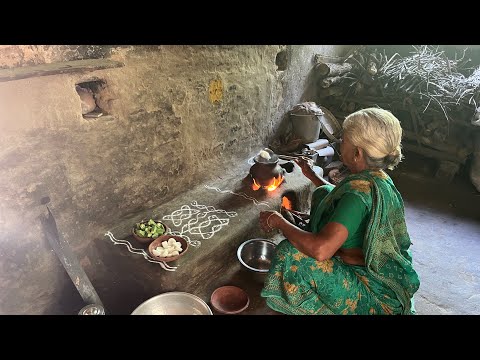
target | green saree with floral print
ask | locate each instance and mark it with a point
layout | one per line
(298, 284)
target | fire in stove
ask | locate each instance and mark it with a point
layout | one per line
(266, 172)
(287, 203)
(274, 183)
(266, 176)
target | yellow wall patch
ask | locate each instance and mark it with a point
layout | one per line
(215, 91)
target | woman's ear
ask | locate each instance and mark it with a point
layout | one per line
(359, 154)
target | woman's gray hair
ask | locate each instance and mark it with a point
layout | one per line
(379, 133)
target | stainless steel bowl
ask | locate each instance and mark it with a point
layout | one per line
(173, 303)
(256, 256)
(92, 309)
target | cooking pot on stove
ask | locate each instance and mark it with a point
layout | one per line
(265, 170)
(265, 173)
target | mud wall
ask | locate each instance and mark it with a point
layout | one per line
(174, 116)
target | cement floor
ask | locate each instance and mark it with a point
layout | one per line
(443, 221)
(444, 225)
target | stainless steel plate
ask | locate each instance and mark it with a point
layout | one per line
(173, 303)
(330, 125)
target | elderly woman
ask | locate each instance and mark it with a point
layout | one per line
(355, 257)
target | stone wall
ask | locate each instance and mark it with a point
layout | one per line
(177, 115)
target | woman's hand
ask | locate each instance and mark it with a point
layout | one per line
(306, 165)
(300, 214)
(270, 220)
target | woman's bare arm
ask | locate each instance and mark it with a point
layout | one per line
(320, 246)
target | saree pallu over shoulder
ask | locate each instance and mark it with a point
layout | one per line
(386, 244)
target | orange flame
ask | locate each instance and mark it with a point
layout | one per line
(255, 186)
(286, 203)
(275, 183)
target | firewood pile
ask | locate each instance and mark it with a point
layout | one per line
(436, 98)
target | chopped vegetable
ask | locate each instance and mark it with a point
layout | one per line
(149, 229)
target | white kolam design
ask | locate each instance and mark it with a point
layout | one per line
(197, 219)
(245, 196)
(139, 252)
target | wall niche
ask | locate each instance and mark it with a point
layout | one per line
(90, 92)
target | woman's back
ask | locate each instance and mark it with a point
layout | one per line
(369, 205)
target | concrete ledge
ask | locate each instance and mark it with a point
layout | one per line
(124, 280)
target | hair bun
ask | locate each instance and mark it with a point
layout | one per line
(394, 158)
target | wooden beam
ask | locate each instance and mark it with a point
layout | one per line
(66, 67)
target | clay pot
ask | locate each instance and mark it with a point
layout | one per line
(264, 173)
